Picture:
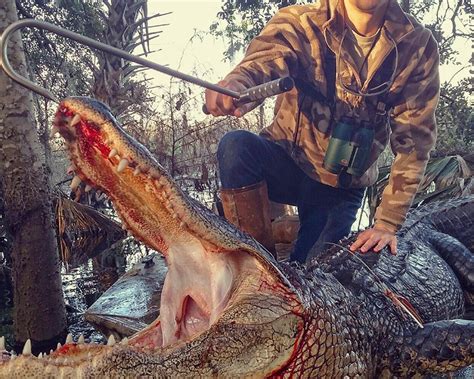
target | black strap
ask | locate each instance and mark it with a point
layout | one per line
(330, 72)
(385, 73)
(311, 91)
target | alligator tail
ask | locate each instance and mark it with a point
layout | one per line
(452, 238)
(461, 261)
(453, 217)
(439, 347)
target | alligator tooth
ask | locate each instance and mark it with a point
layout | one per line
(27, 347)
(51, 351)
(53, 131)
(123, 164)
(2, 343)
(80, 341)
(58, 346)
(129, 233)
(12, 357)
(75, 120)
(69, 338)
(88, 188)
(75, 182)
(137, 171)
(40, 355)
(111, 340)
(113, 153)
(124, 341)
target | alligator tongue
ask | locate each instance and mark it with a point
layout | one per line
(195, 291)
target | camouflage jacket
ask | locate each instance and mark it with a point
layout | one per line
(294, 42)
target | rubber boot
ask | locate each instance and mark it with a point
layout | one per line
(248, 208)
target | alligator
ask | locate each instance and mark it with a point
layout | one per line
(229, 309)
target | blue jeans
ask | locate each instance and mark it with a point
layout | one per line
(326, 213)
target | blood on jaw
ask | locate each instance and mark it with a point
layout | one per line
(89, 135)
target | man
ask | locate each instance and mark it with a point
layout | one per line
(361, 63)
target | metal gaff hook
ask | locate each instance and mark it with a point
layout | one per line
(5, 63)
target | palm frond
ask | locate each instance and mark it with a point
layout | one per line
(444, 172)
(445, 177)
(83, 232)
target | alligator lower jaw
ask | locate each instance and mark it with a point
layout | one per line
(198, 287)
(202, 274)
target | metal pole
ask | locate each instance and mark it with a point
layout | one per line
(4, 62)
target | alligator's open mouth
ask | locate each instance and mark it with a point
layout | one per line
(207, 270)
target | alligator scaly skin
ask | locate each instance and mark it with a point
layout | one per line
(374, 326)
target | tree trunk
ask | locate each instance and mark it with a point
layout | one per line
(39, 311)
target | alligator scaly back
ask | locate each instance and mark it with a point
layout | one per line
(433, 254)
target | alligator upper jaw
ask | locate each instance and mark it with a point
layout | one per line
(206, 268)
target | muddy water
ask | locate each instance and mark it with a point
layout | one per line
(81, 285)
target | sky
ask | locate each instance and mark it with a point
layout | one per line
(206, 55)
(188, 17)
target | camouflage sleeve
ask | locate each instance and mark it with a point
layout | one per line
(413, 136)
(276, 52)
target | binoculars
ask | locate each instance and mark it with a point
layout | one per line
(349, 149)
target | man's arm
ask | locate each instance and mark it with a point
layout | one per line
(276, 52)
(413, 137)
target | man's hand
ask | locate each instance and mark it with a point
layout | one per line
(375, 238)
(219, 104)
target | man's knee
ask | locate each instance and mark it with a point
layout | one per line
(233, 146)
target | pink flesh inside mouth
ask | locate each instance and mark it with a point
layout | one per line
(199, 283)
(196, 291)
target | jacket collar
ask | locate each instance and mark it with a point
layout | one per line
(397, 25)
